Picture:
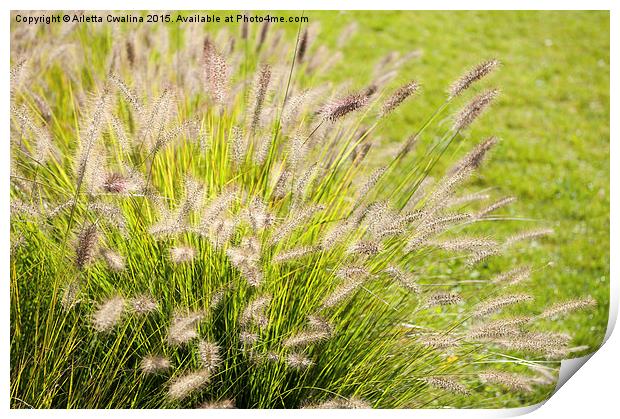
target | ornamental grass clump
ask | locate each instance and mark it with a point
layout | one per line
(225, 233)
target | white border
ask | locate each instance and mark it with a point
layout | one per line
(593, 391)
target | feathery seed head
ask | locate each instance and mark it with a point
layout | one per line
(510, 381)
(340, 107)
(183, 386)
(302, 46)
(248, 338)
(340, 403)
(440, 341)
(182, 327)
(399, 96)
(143, 304)
(216, 71)
(513, 276)
(442, 299)
(292, 254)
(447, 384)
(348, 287)
(365, 248)
(473, 75)
(496, 304)
(495, 206)
(108, 314)
(182, 254)
(114, 260)
(70, 295)
(527, 235)
(262, 83)
(86, 246)
(221, 404)
(254, 313)
(209, 354)
(474, 109)
(298, 361)
(304, 339)
(568, 307)
(473, 244)
(153, 364)
(405, 280)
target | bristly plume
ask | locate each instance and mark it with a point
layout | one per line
(303, 339)
(298, 361)
(182, 254)
(292, 254)
(472, 76)
(370, 183)
(513, 276)
(472, 244)
(340, 107)
(319, 330)
(255, 314)
(446, 384)
(262, 84)
(109, 314)
(115, 183)
(442, 299)
(153, 364)
(127, 93)
(90, 134)
(340, 403)
(506, 327)
(183, 327)
(481, 255)
(495, 206)
(475, 157)
(348, 287)
(70, 295)
(293, 221)
(399, 96)
(183, 386)
(262, 35)
(474, 109)
(209, 354)
(86, 246)
(248, 338)
(143, 304)
(302, 47)
(465, 199)
(238, 145)
(215, 71)
(439, 341)
(496, 304)
(527, 235)
(220, 404)
(568, 307)
(365, 248)
(41, 136)
(262, 150)
(404, 279)
(510, 381)
(552, 345)
(216, 207)
(114, 260)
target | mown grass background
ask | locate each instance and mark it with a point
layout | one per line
(553, 118)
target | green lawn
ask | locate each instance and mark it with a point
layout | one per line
(552, 117)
